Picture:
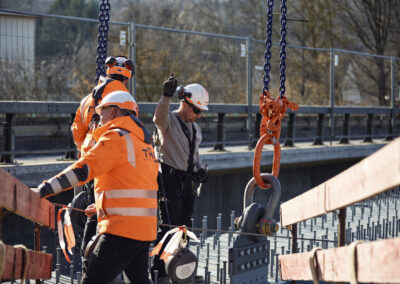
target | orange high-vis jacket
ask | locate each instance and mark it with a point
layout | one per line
(124, 169)
(82, 122)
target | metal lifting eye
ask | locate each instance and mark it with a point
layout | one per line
(111, 61)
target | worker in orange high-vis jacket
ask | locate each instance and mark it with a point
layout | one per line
(119, 70)
(124, 168)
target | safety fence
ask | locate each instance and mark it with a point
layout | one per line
(19, 262)
(224, 63)
(374, 262)
(230, 67)
(349, 123)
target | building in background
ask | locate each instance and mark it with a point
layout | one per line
(17, 52)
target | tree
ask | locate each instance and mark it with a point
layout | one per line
(58, 36)
(371, 21)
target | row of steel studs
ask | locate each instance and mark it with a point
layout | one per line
(381, 228)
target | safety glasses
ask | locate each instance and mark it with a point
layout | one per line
(129, 64)
(195, 109)
(182, 93)
(112, 61)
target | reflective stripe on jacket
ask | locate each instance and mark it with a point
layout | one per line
(85, 112)
(125, 170)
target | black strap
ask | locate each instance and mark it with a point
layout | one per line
(191, 142)
(97, 94)
(148, 139)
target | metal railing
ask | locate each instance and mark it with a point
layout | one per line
(250, 53)
(331, 109)
(10, 109)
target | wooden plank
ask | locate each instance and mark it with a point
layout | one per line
(317, 195)
(377, 262)
(39, 264)
(373, 175)
(19, 199)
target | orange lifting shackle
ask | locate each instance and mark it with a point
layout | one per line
(273, 111)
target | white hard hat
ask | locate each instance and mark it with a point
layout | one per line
(121, 99)
(194, 94)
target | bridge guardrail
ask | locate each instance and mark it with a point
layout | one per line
(11, 108)
(374, 262)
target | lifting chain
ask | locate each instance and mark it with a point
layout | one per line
(102, 38)
(272, 109)
(282, 54)
(268, 45)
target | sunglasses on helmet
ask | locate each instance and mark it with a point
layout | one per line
(128, 63)
(180, 91)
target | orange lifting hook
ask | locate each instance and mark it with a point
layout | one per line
(273, 111)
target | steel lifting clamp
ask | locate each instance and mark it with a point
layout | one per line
(273, 111)
(256, 218)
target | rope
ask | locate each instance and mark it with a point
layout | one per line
(26, 262)
(313, 264)
(353, 261)
(2, 258)
(65, 206)
(246, 234)
(212, 230)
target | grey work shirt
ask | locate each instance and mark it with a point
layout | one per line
(174, 145)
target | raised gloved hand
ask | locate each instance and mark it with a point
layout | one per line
(170, 86)
(203, 175)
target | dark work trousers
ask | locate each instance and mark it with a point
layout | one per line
(90, 231)
(114, 254)
(180, 209)
(90, 226)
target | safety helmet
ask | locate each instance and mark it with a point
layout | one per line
(120, 99)
(194, 94)
(120, 67)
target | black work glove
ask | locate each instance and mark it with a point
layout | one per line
(44, 189)
(203, 175)
(170, 86)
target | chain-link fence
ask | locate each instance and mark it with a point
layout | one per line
(51, 57)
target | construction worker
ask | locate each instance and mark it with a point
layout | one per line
(124, 168)
(178, 152)
(119, 70)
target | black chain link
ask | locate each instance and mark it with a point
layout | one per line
(282, 54)
(268, 45)
(102, 38)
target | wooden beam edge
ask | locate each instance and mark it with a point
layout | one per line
(376, 262)
(292, 210)
(18, 198)
(39, 264)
